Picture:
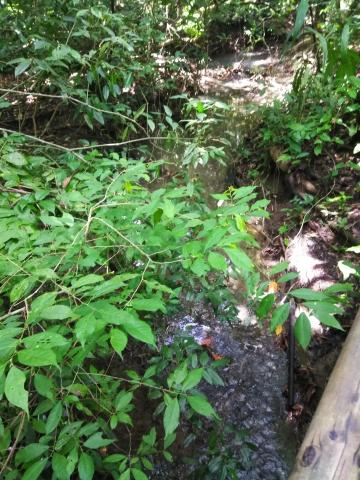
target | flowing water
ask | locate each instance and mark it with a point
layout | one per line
(255, 379)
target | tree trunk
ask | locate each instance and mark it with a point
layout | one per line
(331, 448)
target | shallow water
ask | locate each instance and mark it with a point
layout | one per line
(255, 379)
(251, 397)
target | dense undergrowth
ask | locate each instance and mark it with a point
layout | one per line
(97, 248)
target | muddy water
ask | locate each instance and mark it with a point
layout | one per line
(254, 380)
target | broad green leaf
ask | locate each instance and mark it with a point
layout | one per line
(192, 379)
(280, 316)
(44, 386)
(21, 289)
(345, 36)
(34, 471)
(243, 192)
(123, 400)
(48, 338)
(118, 340)
(96, 441)
(86, 280)
(56, 312)
(85, 327)
(308, 294)
(37, 357)
(240, 259)
(30, 453)
(86, 467)
(214, 238)
(125, 475)
(265, 305)
(339, 288)
(200, 267)
(54, 418)
(59, 464)
(302, 330)
(16, 158)
(201, 405)
(171, 415)
(301, 13)
(279, 267)
(325, 312)
(287, 277)
(111, 285)
(169, 209)
(139, 330)
(14, 389)
(148, 304)
(217, 261)
(138, 474)
(169, 440)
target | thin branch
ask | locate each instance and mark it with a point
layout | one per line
(45, 142)
(13, 448)
(74, 100)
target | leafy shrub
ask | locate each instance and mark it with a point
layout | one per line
(92, 257)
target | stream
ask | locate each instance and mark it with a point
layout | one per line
(252, 397)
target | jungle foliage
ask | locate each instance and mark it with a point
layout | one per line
(98, 246)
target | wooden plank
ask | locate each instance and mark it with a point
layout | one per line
(331, 447)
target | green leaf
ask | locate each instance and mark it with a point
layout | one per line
(34, 471)
(300, 18)
(201, 405)
(96, 441)
(21, 289)
(14, 389)
(240, 259)
(86, 467)
(16, 158)
(279, 316)
(169, 440)
(217, 261)
(30, 453)
(139, 474)
(339, 288)
(302, 330)
(48, 339)
(37, 357)
(148, 304)
(139, 330)
(265, 305)
(200, 267)
(54, 418)
(44, 386)
(288, 277)
(308, 294)
(56, 312)
(125, 475)
(192, 379)
(113, 284)
(345, 36)
(279, 267)
(86, 280)
(325, 312)
(118, 340)
(22, 66)
(215, 237)
(171, 415)
(59, 464)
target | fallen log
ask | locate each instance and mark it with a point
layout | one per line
(331, 447)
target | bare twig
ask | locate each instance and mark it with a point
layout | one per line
(13, 448)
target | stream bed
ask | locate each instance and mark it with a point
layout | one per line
(252, 397)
